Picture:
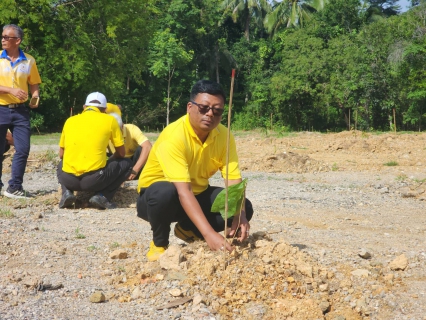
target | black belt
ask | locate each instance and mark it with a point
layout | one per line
(13, 105)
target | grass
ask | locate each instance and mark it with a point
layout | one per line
(401, 177)
(6, 213)
(79, 235)
(419, 180)
(46, 139)
(114, 245)
(391, 164)
(91, 248)
(335, 167)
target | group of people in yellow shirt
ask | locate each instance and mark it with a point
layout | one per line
(173, 176)
(174, 183)
(85, 164)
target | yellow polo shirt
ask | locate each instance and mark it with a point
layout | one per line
(178, 155)
(85, 138)
(113, 108)
(19, 75)
(133, 138)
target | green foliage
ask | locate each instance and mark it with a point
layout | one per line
(313, 64)
(6, 213)
(391, 164)
(78, 234)
(37, 121)
(236, 195)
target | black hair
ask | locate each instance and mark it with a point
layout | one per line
(207, 86)
(17, 29)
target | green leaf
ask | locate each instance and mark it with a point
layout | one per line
(236, 194)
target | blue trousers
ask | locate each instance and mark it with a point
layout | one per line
(18, 122)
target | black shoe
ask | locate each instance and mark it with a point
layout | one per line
(67, 200)
(101, 202)
(17, 194)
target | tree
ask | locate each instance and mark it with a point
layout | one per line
(167, 54)
(247, 10)
(291, 13)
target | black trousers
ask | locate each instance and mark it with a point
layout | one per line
(105, 181)
(159, 205)
(135, 159)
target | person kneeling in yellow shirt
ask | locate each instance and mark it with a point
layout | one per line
(136, 144)
(84, 165)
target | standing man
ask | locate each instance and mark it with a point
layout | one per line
(82, 148)
(174, 185)
(136, 144)
(18, 70)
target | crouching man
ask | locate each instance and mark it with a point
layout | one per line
(84, 165)
(174, 184)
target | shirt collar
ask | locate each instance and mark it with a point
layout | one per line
(21, 57)
(210, 138)
(90, 108)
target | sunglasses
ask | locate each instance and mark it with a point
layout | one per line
(217, 112)
(7, 38)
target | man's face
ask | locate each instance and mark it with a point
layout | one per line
(12, 41)
(203, 121)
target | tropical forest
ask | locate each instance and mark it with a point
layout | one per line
(300, 65)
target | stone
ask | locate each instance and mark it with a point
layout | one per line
(323, 287)
(171, 258)
(399, 263)
(97, 297)
(197, 300)
(136, 293)
(360, 273)
(324, 306)
(118, 254)
(363, 253)
(175, 292)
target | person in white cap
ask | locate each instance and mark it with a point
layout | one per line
(84, 165)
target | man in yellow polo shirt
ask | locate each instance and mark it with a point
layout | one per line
(84, 165)
(136, 144)
(18, 71)
(174, 185)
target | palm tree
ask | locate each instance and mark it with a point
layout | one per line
(379, 9)
(247, 9)
(291, 13)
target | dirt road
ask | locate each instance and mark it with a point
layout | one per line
(338, 233)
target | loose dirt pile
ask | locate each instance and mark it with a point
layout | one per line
(338, 233)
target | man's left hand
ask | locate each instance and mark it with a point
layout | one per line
(240, 223)
(132, 175)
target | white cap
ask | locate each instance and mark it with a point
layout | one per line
(96, 96)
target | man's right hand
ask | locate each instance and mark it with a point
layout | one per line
(19, 93)
(216, 242)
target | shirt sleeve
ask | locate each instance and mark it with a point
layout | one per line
(116, 135)
(137, 135)
(234, 170)
(34, 77)
(62, 139)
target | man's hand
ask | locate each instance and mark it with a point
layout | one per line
(19, 93)
(34, 104)
(217, 243)
(133, 174)
(240, 222)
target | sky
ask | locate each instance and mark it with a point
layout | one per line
(404, 4)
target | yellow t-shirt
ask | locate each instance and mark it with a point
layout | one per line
(22, 74)
(85, 138)
(113, 108)
(178, 155)
(133, 138)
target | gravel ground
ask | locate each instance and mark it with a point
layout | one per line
(329, 220)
